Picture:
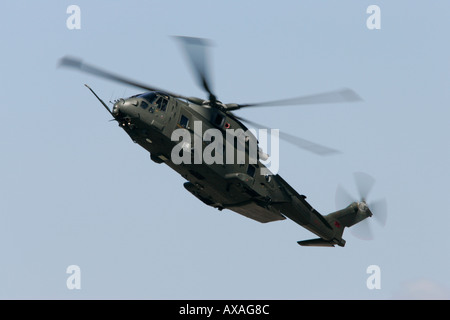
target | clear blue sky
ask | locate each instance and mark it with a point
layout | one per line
(75, 190)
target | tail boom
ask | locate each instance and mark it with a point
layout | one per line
(347, 217)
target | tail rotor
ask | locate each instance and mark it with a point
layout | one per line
(376, 208)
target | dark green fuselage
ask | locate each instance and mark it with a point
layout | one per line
(239, 187)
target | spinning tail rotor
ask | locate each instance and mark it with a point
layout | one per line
(378, 208)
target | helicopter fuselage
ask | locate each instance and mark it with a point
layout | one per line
(243, 187)
(192, 136)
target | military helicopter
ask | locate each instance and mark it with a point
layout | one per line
(248, 187)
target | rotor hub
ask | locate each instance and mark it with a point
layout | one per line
(362, 207)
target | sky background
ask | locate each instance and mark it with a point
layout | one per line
(75, 190)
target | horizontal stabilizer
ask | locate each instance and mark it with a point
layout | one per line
(319, 242)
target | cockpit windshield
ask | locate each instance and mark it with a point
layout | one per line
(150, 97)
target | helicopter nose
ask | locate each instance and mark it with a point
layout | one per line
(123, 107)
(115, 109)
(118, 107)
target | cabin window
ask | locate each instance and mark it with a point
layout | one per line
(218, 120)
(251, 170)
(184, 121)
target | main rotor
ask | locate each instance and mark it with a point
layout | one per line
(197, 54)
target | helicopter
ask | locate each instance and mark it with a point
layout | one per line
(246, 187)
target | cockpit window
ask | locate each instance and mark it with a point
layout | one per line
(150, 97)
(160, 102)
(163, 104)
(144, 105)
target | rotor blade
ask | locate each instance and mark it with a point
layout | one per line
(197, 55)
(342, 198)
(80, 65)
(362, 230)
(379, 210)
(297, 141)
(364, 183)
(308, 145)
(345, 95)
